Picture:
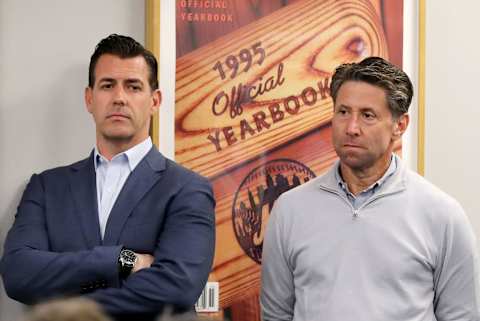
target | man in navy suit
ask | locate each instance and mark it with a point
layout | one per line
(125, 227)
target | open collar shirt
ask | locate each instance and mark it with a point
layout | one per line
(363, 196)
(112, 175)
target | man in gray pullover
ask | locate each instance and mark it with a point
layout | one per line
(369, 240)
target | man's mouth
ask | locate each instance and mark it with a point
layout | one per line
(352, 146)
(118, 116)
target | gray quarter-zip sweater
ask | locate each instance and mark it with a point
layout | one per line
(408, 253)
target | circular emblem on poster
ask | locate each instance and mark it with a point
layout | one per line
(255, 196)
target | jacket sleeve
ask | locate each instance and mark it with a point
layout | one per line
(183, 258)
(456, 278)
(277, 297)
(31, 271)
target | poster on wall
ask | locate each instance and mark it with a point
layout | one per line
(253, 109)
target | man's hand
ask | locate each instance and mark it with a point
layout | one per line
(143, 261)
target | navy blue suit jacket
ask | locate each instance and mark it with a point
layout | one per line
(54, 247)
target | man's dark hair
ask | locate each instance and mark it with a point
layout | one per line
(123, 47)
(378, 72)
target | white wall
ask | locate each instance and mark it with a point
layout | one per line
(452, 104)
(45, 47)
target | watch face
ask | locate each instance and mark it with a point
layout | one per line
(128, 257)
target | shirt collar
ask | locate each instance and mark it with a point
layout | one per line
(389, 172)
(133, 155)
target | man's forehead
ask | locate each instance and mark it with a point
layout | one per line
(114, 67)
(360, 85)
(355, 90)
(362, 96)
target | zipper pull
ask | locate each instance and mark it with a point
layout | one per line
(355, 213)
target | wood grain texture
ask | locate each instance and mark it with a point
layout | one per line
(309, 38)
(393, 30)
(200, 34)
(247, 309)
(243, 11)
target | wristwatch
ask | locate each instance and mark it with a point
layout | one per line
(126, 262)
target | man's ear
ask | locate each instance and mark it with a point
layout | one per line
(156, 100)
(88, 99)
(400, 125)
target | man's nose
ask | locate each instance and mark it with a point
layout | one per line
(353, 125)
(119, 97)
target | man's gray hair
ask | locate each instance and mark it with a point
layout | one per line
(381, 73)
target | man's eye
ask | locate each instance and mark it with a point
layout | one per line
(368, 116)
(135, 88)
(106, 86)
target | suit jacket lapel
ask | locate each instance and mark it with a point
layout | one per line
(84, 189)
(140, 181)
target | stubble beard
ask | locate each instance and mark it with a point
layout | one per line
(117, 136)
(357, 162)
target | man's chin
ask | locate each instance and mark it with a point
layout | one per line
(118, 136)
(354, 162)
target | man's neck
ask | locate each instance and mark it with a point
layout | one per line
(358, 180)
(109, 148)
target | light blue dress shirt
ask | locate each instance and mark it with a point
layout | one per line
(366, 194)
(112, 175)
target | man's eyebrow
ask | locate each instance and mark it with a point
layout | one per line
(366, 108)
(106, 79)
(133, 80)
(363, 109)
(129, 80)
